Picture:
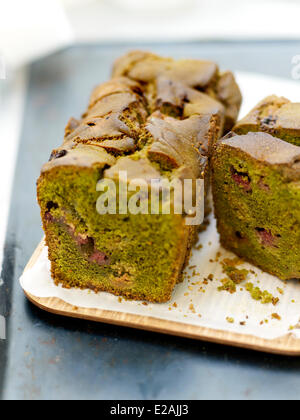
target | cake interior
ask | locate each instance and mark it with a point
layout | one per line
(130, 255)
(258, 211)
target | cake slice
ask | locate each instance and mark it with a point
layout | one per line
(256, 190)
(124, 139)
(276, 116)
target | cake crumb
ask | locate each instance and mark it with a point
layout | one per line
(232, 262)
(230, 320)
(228, 286)
(192, 308)
(236, 275)
(276, 316)
(291, 328)
(218, 256)
(281, 291)
(120, 300)
(263, 296)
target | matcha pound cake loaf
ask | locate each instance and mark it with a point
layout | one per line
(256, 189)
(129, 133)
(276, 116)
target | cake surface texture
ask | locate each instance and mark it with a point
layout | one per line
(276, 116)
(158, 122)
(256, 189)
(170, 84)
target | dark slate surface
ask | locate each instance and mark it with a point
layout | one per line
(49, 357)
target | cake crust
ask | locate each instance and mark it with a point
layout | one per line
(276, 116)
(190, 80)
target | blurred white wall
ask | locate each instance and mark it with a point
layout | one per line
(164, 20)
(31, 28)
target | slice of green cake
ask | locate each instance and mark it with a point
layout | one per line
(256, 190)
(276, 116)
(138, 254)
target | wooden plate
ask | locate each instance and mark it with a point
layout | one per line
(287, 345)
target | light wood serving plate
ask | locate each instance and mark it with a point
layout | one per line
(287, 345)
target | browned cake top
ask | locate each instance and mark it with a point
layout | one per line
(127, 122)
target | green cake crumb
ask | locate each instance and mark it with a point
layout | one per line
(228, 286)
(232, 262)
(230, 320)
(236, 275)
(257, 294)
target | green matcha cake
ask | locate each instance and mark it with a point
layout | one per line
(256, 189)
(276, 116)
(129, 128)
